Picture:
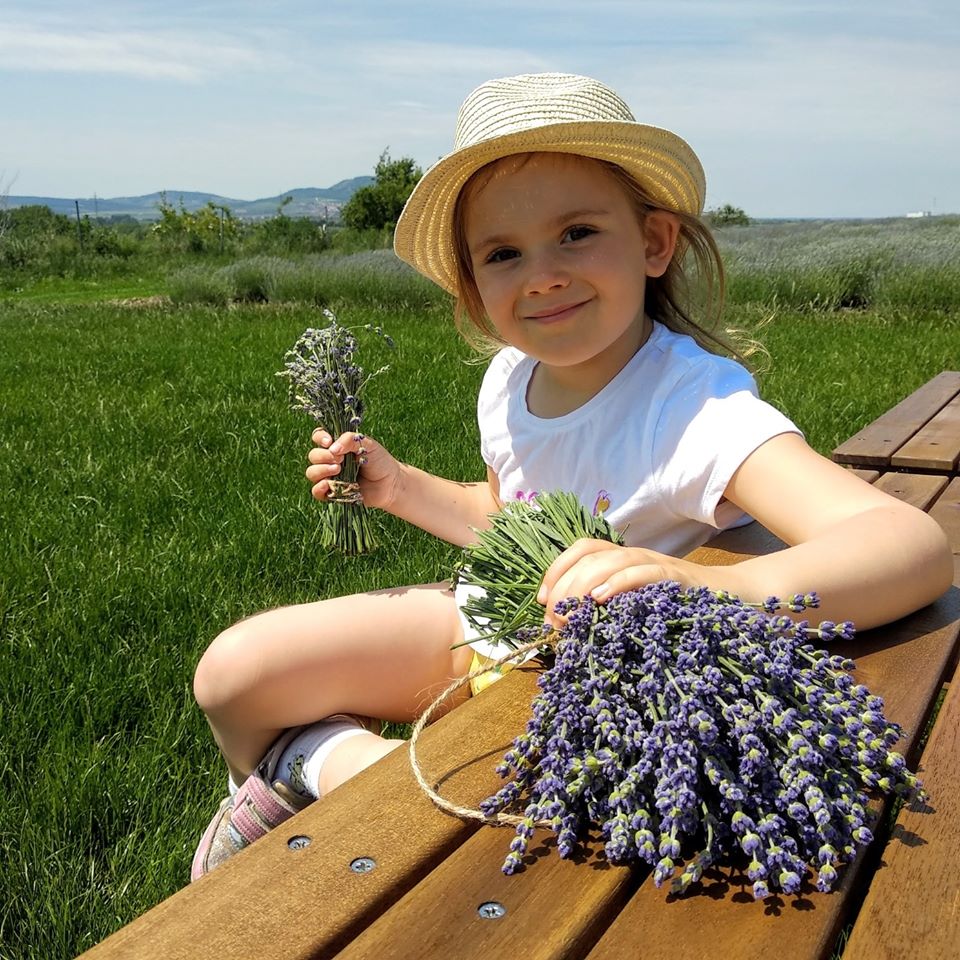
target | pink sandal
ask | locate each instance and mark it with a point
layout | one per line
(260, 804)
(215, 845)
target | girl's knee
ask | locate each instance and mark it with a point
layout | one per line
(224, 672)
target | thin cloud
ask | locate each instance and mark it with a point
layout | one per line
(443, 61)
(166, 56)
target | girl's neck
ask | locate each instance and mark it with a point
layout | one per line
(554, 391)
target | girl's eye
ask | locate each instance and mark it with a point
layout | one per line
(501, 255)
(578, 232)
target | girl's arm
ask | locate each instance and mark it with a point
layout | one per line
(870, 557)
(446, 508)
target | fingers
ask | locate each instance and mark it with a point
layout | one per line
(348, 442)
(567, 561)
(321, 437)
(326, 458)
(600, 572)
(627, 578)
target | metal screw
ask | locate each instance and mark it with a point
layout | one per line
(362, 864)
(491, 910)
(298, 842)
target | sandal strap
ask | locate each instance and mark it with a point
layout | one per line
(258, 808)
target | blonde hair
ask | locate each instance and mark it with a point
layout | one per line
(672, 298)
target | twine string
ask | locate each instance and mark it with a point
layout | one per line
(468, 813)
(343, 491)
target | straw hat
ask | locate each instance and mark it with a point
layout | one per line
(549, 112)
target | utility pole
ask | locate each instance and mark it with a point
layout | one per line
(76, 204)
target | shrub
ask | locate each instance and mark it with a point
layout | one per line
(298, 283)
(727, 216)
(283, 234)
(252, 280)
(199, 284)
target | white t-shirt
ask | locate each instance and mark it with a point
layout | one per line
(663, 439)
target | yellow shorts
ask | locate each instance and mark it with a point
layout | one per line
(484, 680)
(483, 651)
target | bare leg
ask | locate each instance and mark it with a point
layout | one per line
(352, 756)
(385, 654)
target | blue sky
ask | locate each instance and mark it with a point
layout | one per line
(844, 108)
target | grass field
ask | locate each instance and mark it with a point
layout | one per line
(153, 493)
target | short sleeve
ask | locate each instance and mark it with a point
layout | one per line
(711, 421)
(493, 397)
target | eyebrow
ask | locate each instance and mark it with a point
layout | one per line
(566, 217)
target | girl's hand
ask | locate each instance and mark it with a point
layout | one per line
(602, 569)
(378, 477)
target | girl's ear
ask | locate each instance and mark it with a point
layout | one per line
(660, 231)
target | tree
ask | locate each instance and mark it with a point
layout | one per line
(379, 204)
(727, 216)
(204, 229)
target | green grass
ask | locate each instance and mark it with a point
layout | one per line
(153, 493)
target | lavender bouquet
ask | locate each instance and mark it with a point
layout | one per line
(689, 726)
(327, 384)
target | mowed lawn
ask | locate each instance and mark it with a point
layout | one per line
(153, 492)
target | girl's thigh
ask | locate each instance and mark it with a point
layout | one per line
(385, 654)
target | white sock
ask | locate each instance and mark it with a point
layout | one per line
(300, 763)
(232, 785)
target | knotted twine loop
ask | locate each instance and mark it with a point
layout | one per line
(468, 813)
(343, 491)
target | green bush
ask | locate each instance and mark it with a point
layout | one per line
(298, 283)
(252, 280)
(283, 234)
(200, 285)
(727, 216)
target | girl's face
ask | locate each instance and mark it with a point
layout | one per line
(560, 260)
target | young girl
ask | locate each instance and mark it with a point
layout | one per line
(563, 227)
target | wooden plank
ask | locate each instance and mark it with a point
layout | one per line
(912, 911)
(936, 446)
(567, 906)
(735, 545)
(315, 902)
(946, 511)
(553, 909)
(919, 489)
(878, 441)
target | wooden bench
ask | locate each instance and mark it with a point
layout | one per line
(921, 434)
(375, 870)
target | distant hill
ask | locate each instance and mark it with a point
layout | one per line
(316, 202)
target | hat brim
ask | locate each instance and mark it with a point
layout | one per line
(663, 163)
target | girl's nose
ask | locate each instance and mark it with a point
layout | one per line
(545, 274)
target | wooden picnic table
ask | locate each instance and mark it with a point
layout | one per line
(921, 434)
(376, 870)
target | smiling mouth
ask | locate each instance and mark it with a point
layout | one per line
(559, 312)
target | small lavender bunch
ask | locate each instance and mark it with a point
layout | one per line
(679, 720)
(326, 383)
